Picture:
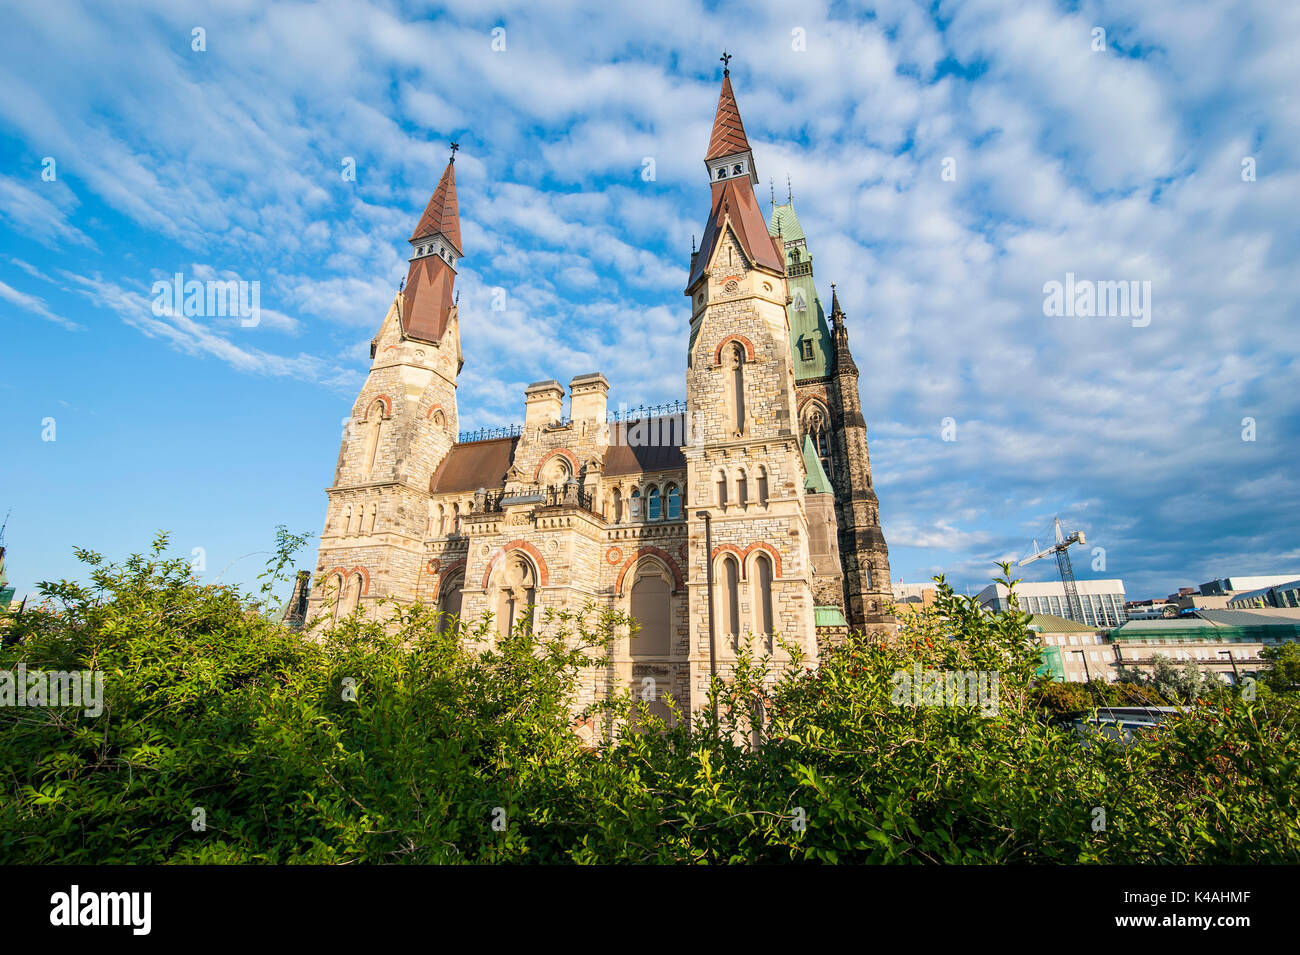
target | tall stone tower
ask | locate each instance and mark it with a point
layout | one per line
(831, 418)
(745, 466)
(862, 543)
(401, 427)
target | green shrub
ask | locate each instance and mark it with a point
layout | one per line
(370, 743)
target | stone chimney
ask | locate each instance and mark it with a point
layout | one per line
(588, 397)
(543, 403)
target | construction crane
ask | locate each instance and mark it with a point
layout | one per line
(1074, 608)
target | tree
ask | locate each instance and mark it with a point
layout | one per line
(1284, 666)
(226, 737)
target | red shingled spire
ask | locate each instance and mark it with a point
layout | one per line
(441, 214)
(728, 131)
(734, 201)
(428, 296)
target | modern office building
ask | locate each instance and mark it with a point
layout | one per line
(1281, 595)
(914, 596)
(1226, 642)
(1230, 586)
(1102, 600)
(1074, 652)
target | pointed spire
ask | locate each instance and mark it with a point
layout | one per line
(843, 357)
(728, 131)
(442, 215)
(789, 191)
(428, 294)
(730, 165)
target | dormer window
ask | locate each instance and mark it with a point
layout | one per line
(807, 349)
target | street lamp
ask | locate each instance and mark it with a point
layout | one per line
(1087, 674)
(1236, 677)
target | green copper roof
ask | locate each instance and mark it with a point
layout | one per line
(1051, 623)
(786, 222)
(810, 336)
(816, 482)
(829, 617)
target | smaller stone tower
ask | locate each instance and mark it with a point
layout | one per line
(401, 427)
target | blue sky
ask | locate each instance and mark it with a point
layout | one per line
(1122, 164)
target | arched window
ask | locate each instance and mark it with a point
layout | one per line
(618, 506)
(635, 502)
(516, 592)
(737, 388)
(729, 596)
(653, 505)
(735, 170)
(351, 595)
(347, 523)
(674, 502)
(455, 518)
(374, 517)
(650, 605)
(762, 485)
(442, 521)
(761, 596)
(742, 488)
(439, 420)
(334, 594)
(722, 488)
(374, 424)
(816, 422)
(822, 441)
(449, 600)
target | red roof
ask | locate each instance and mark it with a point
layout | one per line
(441, 214)
(734, 200)
(472, 465)
(728, 131)
(427, 298)
(658, 451)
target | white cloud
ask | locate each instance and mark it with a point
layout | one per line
(36, 306)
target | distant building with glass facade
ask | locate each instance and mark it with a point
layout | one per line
(1282, 595)
(1102, 600)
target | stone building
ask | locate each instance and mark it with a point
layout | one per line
(767, 458)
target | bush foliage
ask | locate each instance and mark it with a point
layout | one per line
(400, 743)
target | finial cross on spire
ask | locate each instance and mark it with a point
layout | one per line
(454, 147)
(726, 63)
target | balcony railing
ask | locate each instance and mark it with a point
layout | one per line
(572, 494)
(488, 434)
(647, 411)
